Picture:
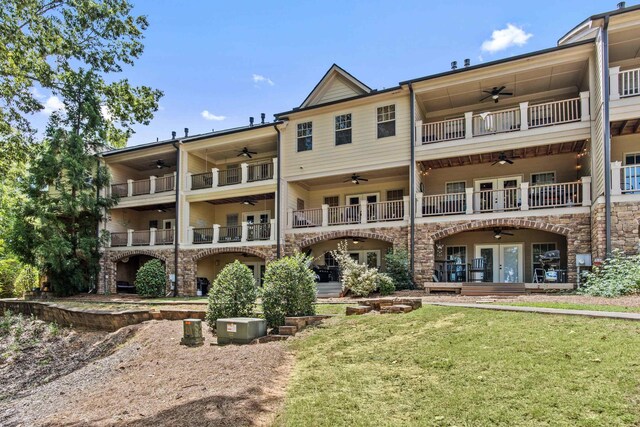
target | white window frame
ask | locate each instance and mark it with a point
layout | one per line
(336, 130)
(362, 196)
(257, 214)
(555, 175)
(454, 182)
(395, 130)
(308, 129)
(466, 252)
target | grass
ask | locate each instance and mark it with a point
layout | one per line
(331, 308)
(573, 306)
(449, 366)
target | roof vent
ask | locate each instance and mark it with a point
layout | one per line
(262, 116)
(622, 5)
(173, 134)
(467, 62)
(454, 65)
(186, 132)
(250, 121)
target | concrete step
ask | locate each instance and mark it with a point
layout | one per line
(328, 289)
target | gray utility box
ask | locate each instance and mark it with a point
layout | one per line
(240, 330)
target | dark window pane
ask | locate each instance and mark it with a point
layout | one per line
(343, 137)
(386, 129)
(305, 144)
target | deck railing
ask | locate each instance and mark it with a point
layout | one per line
(202, 235)
(140, 238)
(140, 187)
(340, 215)
(630, 179)
(303, 218)
(201, 180)
(507, 199)
(261, 231)
(630, 82)
(120, 190)
(229, 176)
(119, 238)
(260, 171)
(555, 195)
(165, 236)
(231, 233)
(444, 204)
(496, 122)
(146, 186)
(385, 211)
(554, 113)
(444, 130)
(165, 183)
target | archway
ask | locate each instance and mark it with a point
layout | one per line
(210, 263)
(126, 269)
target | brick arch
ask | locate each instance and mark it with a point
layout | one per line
(117, 256)
(501, 222)
(345, 233)
(214, 251)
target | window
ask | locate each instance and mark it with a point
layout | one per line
(386, 121)
(343, 129)
(631, 174)
(395, 195)
(543, 178)
(538, 249)
(299, 204)
(305, 142)
(329, 260)
(456, 270)
(332, 201)
(232, 220)
(153, 223)
(457, 254)
(455, 187)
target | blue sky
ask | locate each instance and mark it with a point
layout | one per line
(237, 59)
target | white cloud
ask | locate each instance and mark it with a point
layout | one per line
(53, 103)
(505, 38)
(210, 116)
(257, 78)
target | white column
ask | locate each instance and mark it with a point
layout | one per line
(185, 220)
(129, 187)
(584, 107)
(290, 217)
(129, 237)
(524, 196)
(406, 202)
(363, 212)
(614, 86)
(216, 233)
(325, 215)
(215, 177)
(468, 125)
(272, 230)
(418, 135)
(469, 194)
(190, 234)
(245, 231)
(275, 168)
(419, 202)
(524, 115)
(152, 184)
(188, 184)
(175, 179)
(245, 172)
(616, 185)
(152, 236)
(586, 191)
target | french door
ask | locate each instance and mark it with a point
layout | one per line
(259, 227)
(353, 203)
(497, 194)
(503, 263)
(258, 269)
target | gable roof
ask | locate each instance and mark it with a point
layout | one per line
(336, 84)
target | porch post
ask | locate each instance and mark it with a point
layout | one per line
(585, 116)
(272, 230)
(468, 125)
(129, 237)
(245, 173)
(152, 236)
(586, 191)
(216, 233)
(275, 168)
(406, 206)
(129, 187)
(190, 234)
(189, 181)
(245, 231)
(524, 196)
(363, 212)
(419, 202)
(469, 199)
(152, 184)
(325, 215)
(524, 115)
(614, 86)
(418, 140)
(214, 177)
(290, 218)
(616, 185)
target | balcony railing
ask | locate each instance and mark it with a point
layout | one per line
(119, 238)
(165, 237)
(141, 238)
(625, 179)
(202, 235)
(151, 185)
(260, 172)
(149, 237)
(307, 218)
(245, 232)
(524, 197)
(230, 233)
(229, 177)
(362, 213)
(385, 211)
(521, 118)
(339, 215)
(260, 231)
(201, 180)
(254, 172)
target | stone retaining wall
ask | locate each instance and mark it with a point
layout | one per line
(625, 228)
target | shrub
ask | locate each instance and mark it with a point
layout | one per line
(232, 294)
(397, 266)
(27, 279)
(618, 275)
(289, 289)
(151, 280)
(9, 271)
(386, 285)
(359, 279)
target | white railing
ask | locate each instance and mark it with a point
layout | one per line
(142, 186)
(303, 218)
(555, 195)
(201, 180)
(339, 215)
(119, 238)
(444, 204)
(385, 211)
(629, 82)
(260, 171)
(630, 179)
(554, 113)
(507, 199)
(140, 238)
(445, 130)
(165, 183)
(229, 176)
(496, 122)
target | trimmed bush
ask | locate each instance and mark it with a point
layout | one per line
(289, 289)
(618, 275)
(385, 284)
(232, 294)
(397, 266)
(151, 280)
(359, 279)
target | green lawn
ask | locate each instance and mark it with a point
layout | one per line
(572, 306)
(446, 366)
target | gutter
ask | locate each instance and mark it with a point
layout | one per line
(278, 249)
(176, 237)
(607, 136)
(412, 185)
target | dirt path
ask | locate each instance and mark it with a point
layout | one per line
(153, 381)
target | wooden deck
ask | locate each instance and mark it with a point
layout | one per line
(488, 288)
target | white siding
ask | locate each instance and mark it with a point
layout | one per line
(597, 125)
(336, 89)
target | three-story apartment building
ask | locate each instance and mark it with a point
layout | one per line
(476, 172)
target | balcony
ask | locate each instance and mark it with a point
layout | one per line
(624, 84)
(364, 213)
(522, 118)
(625, 179)
(260, 232)
(151, 237)
(523, 198)
(151, 185)
(246, 173)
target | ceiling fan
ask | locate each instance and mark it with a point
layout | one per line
(354, 240)
(495, 93)
(248, 202)
(498, 233)
(246, 153)
(502, 159)
(355, 178)
(159, 164)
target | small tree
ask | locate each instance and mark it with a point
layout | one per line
(232, 294)
(385, 284)
(358, 278)
(289, 289)
(397, 266)
(151, 280)
(27, 279)
(619, 275)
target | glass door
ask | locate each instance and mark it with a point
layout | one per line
(503, 263)
(490, 255)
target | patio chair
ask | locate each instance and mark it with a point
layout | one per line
(477, 270)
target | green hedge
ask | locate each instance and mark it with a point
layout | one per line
(151, 279)
(232, 294)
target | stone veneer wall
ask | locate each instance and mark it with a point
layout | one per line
(398, 236)
(625, 228)
(575, 227)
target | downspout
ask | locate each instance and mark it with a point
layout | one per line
(412, 185)
(176, 237)
(607, 137)
(94, 285)
(278, 249)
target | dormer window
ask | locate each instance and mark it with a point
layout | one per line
(305, 138)
(343, 129)
(386, 121)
